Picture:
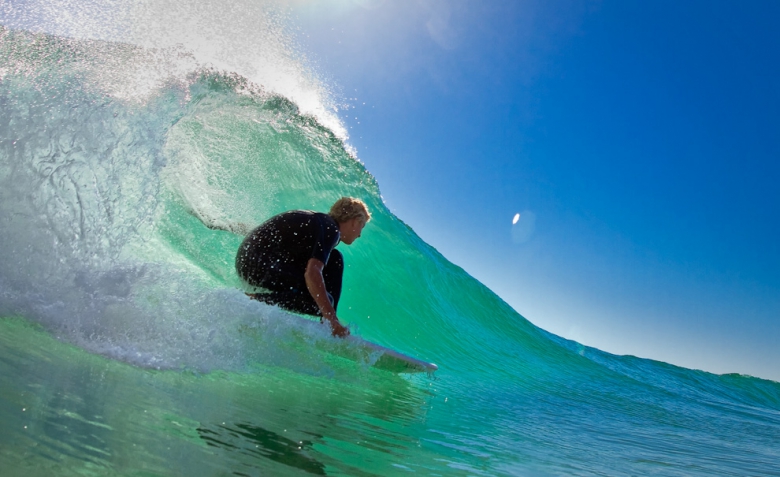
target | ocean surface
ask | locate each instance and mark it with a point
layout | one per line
(128, 348)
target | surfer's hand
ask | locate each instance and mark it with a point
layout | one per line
(339, 330)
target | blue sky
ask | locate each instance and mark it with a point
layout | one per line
(639, 141)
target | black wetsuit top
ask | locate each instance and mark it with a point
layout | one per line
(275, 254)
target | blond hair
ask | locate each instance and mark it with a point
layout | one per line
(348, 208)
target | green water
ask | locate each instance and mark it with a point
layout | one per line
(76, 413)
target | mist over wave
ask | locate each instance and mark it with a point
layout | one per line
(247, 37)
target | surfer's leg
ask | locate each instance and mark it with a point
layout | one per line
(332, 274)
(298, 301)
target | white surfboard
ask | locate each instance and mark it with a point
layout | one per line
(357, 349)
(380, 357)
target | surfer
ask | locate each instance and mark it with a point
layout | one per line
(292, 260)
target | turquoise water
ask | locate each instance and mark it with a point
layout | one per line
(126, 347)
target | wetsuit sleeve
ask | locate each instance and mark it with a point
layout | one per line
(325, 239)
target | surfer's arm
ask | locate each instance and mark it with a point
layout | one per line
(316, 286)
(238, 228)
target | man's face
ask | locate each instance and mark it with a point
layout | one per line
(351, 230)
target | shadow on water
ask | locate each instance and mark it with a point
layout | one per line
(258, 442)
(332, 428)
